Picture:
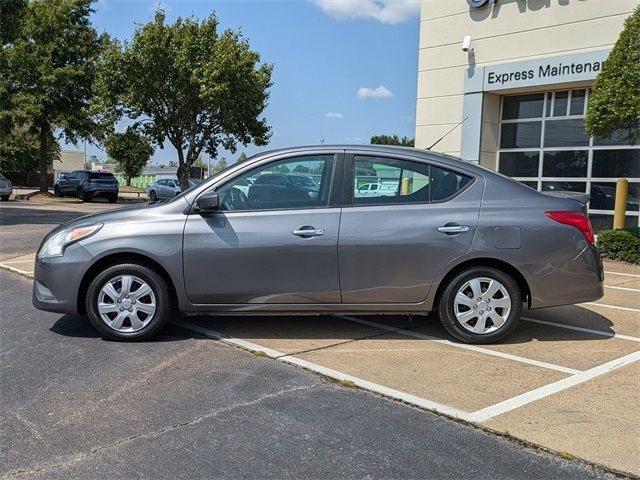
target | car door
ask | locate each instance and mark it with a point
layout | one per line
(395, 240)
(162, 189)
(267, 246)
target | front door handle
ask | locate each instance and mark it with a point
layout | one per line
(452, 229)
(308, 232)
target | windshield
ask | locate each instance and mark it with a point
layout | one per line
(2, 177)
(102, 176)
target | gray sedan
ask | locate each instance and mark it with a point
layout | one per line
(449, 236)
(5, 188)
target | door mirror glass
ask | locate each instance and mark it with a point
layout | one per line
(208, 202)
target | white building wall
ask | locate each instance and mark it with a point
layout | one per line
(508, 31)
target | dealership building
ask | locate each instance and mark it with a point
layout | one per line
(513, 94)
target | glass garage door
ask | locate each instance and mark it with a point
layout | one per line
(543, 145)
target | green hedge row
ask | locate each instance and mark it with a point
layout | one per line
(620, 244)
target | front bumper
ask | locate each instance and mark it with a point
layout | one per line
(56, 281)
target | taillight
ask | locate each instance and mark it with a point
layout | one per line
(575, 219)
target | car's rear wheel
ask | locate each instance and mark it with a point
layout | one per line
(5, 198)
(83, 196)
(128, 302)
(480, 305)
(153, 196)
(56, 191)
(113, 198)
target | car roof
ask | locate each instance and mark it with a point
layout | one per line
(423, 154)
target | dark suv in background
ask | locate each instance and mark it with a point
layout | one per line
(87, 185)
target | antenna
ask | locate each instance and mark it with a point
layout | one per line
(446, 134)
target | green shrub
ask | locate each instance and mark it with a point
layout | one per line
(620, 244)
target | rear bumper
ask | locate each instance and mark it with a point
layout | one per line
(576, 281)
(101, 192)
(56, 281)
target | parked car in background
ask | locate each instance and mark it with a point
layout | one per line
(87, 185)
(377, 190)
(5, 188)
(166, 188)
(284, 185)
(457, 239)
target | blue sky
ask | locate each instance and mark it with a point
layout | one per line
(344, 69)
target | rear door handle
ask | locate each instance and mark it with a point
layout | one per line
(308, 232)
(453, 229)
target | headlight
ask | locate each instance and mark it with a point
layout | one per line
(55, 244)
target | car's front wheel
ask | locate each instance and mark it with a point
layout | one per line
(128, 302)
(480, 305)
(153, 196)
(5, 198)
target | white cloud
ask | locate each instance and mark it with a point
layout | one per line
(103, 5)
(380, 92)
(408, 118)
(335, 115)
(385, 11)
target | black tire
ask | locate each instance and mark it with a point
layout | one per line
(446, 308)
(113, 198)
(56, 191)
(5, 198)
(82, 196)
(160, 291)
(153, 196)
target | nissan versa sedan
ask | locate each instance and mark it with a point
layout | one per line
(454, 238)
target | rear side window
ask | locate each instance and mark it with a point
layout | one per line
(101, 176)
(382, 181)
(445, 183)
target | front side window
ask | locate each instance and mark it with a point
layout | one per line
(299, 182)
(381, 181)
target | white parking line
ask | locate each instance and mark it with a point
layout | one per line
(464, 346)
(478, 416)
(625, 274)
(623, 288)
(314, 367)
(582, 329)
(627, 309)
(519, 401)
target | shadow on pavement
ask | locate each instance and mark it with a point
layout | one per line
(328, 327)
(78, 326)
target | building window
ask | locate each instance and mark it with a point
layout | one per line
(543, 145)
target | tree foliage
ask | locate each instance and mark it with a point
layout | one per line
(20, 151)
(614, 102)
(219, 166)
(131, 152)
(392, 140)
(48, 65)
(189, 84)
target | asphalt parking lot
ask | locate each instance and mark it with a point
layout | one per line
(186, 405)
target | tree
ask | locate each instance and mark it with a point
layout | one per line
(20, 151)
(48, 70)
(614, 101)
(191, 85)
(241, 158)
(219, 166)
(392, 140)
(130, 150)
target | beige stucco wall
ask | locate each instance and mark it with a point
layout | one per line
(509, 31)
(69, 160)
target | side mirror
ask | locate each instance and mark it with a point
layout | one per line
(63, 177)
(208, 202)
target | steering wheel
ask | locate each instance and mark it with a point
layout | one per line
(235, 199)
